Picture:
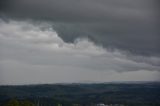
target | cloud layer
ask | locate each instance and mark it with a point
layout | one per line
(131, 25)
(34, 53)
(47, 41)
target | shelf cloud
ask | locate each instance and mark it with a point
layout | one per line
(127, 25)
(66, 38)
(26, 46)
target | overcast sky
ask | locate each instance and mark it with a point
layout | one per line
(66, 41)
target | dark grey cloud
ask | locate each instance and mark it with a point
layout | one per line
(83, 10)
(130, 25)
(141, 41)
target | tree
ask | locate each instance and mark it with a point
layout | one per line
(26, 103)
(13, 102)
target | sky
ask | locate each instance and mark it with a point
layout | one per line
(72, 41)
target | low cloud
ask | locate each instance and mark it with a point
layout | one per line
(36, 50)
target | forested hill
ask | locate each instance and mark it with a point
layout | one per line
(147, 93)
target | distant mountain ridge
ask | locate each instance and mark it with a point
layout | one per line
(87, 82)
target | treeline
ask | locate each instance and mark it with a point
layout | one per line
(53, 102)
(15, 102)
(38, 102)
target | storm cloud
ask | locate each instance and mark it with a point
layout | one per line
(73, 39)
(128, 25)
(37, 48)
